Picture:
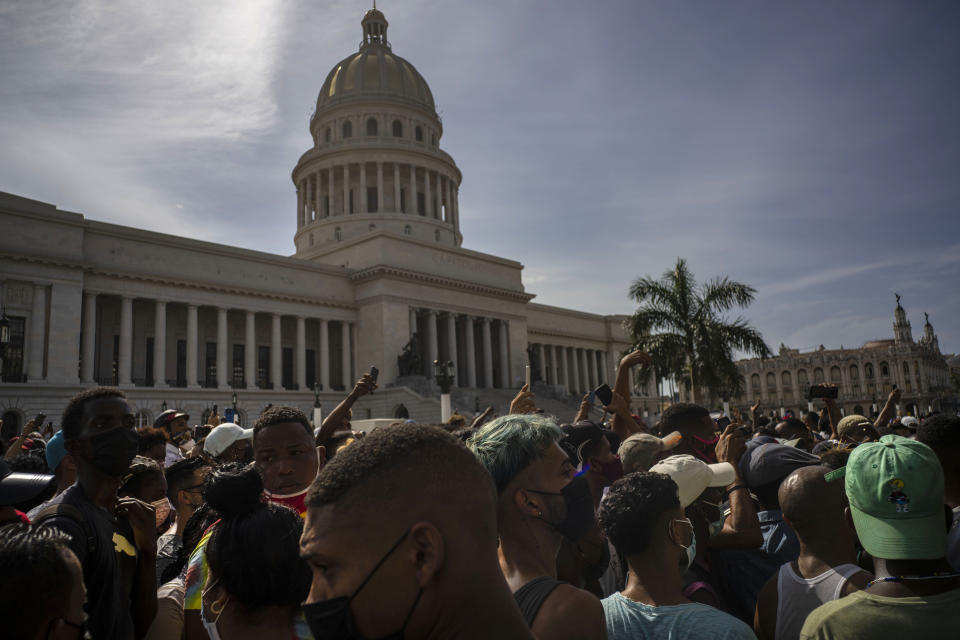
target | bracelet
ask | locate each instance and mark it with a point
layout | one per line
(734, 488)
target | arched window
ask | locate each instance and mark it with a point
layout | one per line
(347, 129)
(418, 134)
(868, 370)
(436, 235)
(835, 375)
(817, 375)
(397, 129)
(371, 126)
(337, 234)
(884, 370)
(854, 372)
(407, 230)
(755, 382)
(786, 379)
(771, 381)
(906, 369)
(802, 379)
(143, 417)
(326, 135)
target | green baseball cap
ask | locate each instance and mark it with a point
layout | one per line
(895, 489)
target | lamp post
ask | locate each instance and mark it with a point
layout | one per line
(163, 406)
(233, 402)
(317, 409)
(443, 373)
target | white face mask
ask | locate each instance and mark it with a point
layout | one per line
(691, 548)
(216, 609)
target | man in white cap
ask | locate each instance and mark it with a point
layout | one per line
(228, 442)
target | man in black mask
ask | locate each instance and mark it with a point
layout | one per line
(114, 539)
(540, 503)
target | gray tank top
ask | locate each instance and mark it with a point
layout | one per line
(798, 596)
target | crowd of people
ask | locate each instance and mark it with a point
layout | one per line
(514, 526)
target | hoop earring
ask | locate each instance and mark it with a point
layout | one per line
(216, 607)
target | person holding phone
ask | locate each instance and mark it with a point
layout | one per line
(339, 418)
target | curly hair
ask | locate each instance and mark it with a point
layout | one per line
(71, 422)
(279, 414)
(633, 507)
(150, 437)
(139, 469)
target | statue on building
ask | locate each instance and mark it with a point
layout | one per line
(898, 298)
(409, 361)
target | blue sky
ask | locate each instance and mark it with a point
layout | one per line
(811, 149)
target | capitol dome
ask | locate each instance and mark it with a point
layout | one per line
(375, 73)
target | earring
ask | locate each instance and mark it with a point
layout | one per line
(539, 514)
(216, 607)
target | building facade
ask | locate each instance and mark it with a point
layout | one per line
(379, 270)
(865, 376)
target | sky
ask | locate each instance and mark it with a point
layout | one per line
(809, 149)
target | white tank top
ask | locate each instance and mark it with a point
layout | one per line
(798, 596)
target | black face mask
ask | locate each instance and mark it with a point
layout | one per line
(332, 619)
(113, 450)
(579, 502)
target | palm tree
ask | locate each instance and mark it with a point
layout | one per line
(682, 325)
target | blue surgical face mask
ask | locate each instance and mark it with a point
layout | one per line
(216, 608)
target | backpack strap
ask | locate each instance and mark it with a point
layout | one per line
(72, 513)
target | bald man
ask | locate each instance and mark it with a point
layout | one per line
(825, 569)
(401, 535)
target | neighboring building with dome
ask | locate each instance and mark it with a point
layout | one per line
(865, 375)
(379, 270)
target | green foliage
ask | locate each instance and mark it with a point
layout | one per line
(682, 325)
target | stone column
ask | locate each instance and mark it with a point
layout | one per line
(364, 208)
(87, 358)
(38, 330)
(487, 346)
(542, 357)
(346, 189)
(584, 370)
(575, 371)
(428, 199)
(330, 192)
(412, 191)
(438, 211)
(505, 381)
(432, 345)
(592, 365)
(300, 204)
(605, 365)
(456, 206)
(192, 346)
(380, 204)
(471, 351)
(345, 355)
(300, 355)
(560, 354)
(449, 193)
(396, 187)
(413, 321)
(276, 353)
(452, 343)
(250, 351)
(325, 354)
(317, 198)
(222, 349)
(125, 358)
(160, 344)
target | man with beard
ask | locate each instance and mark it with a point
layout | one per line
(114, 539)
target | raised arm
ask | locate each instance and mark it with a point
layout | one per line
(336, 417)
(889, 409)
(741, 530)
(621, 387)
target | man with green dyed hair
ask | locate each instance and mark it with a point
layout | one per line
(539, 503)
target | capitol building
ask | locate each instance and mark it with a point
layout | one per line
(379, 270)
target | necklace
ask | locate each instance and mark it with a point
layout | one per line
(933, 576)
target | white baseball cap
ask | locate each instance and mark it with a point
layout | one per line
(693, 476)
(223, 435)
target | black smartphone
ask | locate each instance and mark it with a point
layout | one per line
(374, 373)
(604, 394)
(722, 422)
(816, 391)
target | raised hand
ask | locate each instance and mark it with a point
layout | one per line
(523, 402)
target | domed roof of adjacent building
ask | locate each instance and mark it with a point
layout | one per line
(375, 72)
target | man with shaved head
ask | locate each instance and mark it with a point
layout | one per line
(401, 535)
(825, 569)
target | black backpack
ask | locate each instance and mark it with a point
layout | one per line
(73, 513)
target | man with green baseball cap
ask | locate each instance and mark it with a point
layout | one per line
(895, 490)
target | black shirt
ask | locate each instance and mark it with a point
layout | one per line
(106, 549)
